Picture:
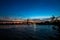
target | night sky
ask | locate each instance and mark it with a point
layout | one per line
(30, 8)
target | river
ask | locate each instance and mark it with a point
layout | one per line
(29, 32)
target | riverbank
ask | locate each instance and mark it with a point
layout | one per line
(55, 22)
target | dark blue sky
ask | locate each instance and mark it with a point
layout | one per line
(29, 8)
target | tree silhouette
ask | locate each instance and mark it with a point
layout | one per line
(52, 18)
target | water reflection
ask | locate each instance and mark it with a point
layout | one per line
(57, 32)
(30, 32)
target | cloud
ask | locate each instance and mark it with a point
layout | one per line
(39, 17)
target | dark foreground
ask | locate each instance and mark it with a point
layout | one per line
(29, 32)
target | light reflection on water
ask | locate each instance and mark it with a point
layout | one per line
(36, 32)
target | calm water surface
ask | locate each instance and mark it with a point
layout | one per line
(29, 32)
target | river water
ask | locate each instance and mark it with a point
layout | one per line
(29, 32)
